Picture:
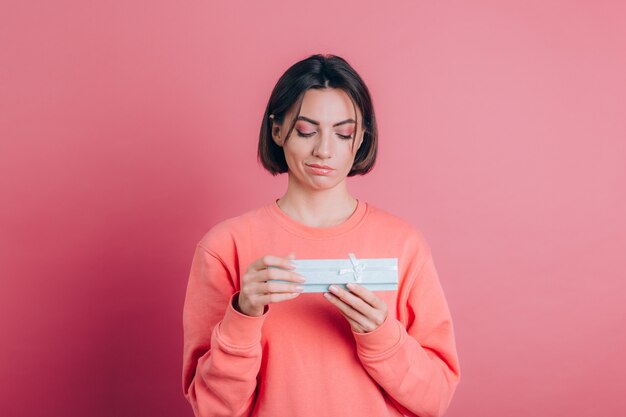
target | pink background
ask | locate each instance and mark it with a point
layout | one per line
(127, 130)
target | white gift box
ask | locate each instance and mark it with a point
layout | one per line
(375, 274)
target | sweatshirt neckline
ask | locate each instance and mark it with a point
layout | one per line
(297, 228)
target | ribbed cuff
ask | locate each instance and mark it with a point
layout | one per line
(238, 329)
(380, 341)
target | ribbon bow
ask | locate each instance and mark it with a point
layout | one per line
(357, 268)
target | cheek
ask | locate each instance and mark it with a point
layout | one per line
(347, 155)
(350, 147)
(358, 144)
(295, 150)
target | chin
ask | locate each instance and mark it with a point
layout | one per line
(318, 182)
(325, 183)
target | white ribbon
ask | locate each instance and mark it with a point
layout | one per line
(357, 268)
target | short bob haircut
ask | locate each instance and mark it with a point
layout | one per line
(317, 72)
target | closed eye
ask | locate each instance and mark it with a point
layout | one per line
(308, 135)
(304, 135)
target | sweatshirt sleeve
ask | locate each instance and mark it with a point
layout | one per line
(416, 364)
(222, 347)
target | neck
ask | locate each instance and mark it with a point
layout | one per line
(323, 208)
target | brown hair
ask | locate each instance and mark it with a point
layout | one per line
(314, 72)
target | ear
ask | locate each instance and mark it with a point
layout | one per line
(276, 129)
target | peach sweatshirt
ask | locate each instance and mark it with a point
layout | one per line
(301, 358)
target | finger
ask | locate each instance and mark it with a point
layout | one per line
(353, 300)
(355, 318)
(277, 297)
(273, 273)
(366, 295)
(260, 291)
(279, 287)
(355, 325)
(270, 260)
(255, 289)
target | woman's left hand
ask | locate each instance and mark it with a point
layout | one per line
(362, 308)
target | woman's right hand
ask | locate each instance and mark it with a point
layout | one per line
(256, 292)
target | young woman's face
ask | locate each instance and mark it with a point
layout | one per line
(322, 137)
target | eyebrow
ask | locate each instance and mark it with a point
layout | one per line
(318, 123)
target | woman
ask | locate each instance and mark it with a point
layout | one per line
(254, 344)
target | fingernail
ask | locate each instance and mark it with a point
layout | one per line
(291, 265)
(301, 278)
(350, 285)
(333, 288)
(299, 288)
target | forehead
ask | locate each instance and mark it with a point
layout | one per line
(328, 105)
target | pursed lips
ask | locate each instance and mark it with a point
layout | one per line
(319, 166)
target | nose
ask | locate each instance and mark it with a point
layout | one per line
(324, 146)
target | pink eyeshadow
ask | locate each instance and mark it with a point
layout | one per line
(304, 127)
